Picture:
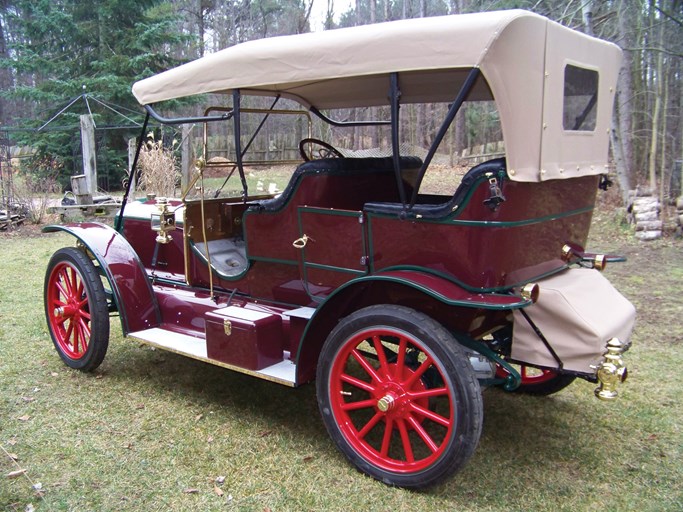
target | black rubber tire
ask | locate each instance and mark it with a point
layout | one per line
(548, 387)
(453, 370)
(95, 306)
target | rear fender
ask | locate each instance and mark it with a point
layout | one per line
(428, 292)
(133, 294)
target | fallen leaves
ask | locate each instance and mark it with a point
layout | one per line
(218, 491)
(16, 474)
(25, 417)
(190, 490)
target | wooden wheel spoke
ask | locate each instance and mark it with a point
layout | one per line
(370, 425)
(84, 335)
(386, 438)
(62, 286)
(427, 393)
(366, 365)
(417, 427)
(360, 404)
(381, 355)
(85, 328)
(401, 359)
(419, 372)
(405, 440)
(73, 282)
(354, 381)
(79, 290)
(69, 332)
(431, 415)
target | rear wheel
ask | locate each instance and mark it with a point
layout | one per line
(399, 396)
(76, 309)
(536, 381)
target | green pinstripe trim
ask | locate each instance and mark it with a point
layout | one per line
(470, 304)
(525, 222)
(465, 286)
(330, 211)
(452, 219)
(273, 260)
(345, 270)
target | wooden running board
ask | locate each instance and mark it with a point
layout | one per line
(283, 372)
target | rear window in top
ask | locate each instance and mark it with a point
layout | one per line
(580, 98)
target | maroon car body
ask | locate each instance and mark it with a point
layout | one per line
(402, 303)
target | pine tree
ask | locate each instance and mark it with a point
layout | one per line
(62, 48)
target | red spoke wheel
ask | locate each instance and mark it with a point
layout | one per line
(76, 309)
(537, 381)
(399, 396)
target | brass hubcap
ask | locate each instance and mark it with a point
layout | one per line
(385, 403)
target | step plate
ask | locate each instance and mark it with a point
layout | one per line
(283, 372)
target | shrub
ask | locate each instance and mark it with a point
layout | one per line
(158, 166)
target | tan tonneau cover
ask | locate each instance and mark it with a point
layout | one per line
(578, 312)
(521, 55)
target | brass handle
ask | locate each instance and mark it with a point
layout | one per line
(300, 243)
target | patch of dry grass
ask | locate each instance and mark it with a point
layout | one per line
(151, 430)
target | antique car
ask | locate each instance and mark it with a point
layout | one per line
(402, 297)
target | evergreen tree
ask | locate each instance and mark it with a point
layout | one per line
(62, 48)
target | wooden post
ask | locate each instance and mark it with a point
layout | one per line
(79, 186)
(132, 148)
(185, 157)
(89, 156)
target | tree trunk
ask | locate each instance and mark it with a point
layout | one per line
(652, 160)
(5, 73)
(587, 12)
(622, 119)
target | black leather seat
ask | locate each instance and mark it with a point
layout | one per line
(439, 211)
(335, 166)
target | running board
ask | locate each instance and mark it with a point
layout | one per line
(283, 372)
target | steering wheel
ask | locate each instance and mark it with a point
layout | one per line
(324, 150)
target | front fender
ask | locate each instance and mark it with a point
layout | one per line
(127, 278)
(362, 292)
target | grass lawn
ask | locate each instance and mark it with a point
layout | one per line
(151, 430)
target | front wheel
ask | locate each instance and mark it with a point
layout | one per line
(76, 309)
(398, 396)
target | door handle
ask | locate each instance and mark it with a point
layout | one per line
(300, 243)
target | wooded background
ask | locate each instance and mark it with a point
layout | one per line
(52, 51)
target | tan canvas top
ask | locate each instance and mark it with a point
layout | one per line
(521, 55)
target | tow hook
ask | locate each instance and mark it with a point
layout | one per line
(612, 371)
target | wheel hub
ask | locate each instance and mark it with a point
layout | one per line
(386, 403)
(67, 311)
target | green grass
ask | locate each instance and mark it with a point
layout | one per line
(148, 426)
